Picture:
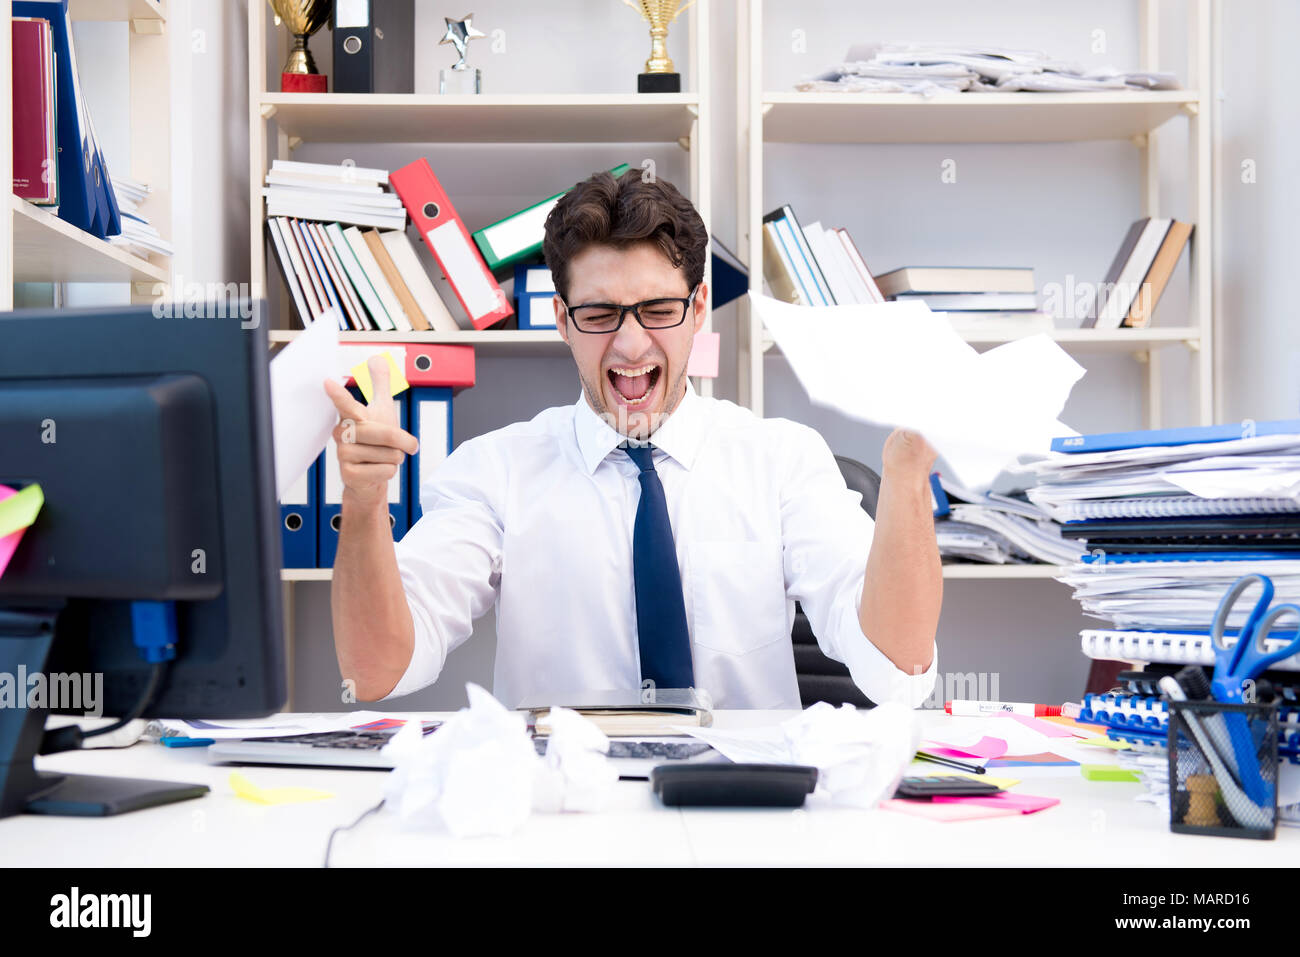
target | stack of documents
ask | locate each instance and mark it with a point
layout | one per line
(938, 68)
(1000, 529)
(138, 234)
(1170, 519)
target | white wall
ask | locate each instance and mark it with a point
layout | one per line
(1061, 208)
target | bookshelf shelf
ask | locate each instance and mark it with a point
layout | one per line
(134, 10)
(503, 342)
(1080, 340)
(46, 249)
(968, 117)
(306, 574)
(498, 118)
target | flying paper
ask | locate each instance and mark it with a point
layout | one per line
(899, 364)
(302, 415)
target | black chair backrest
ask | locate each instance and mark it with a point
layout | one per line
(820, 678)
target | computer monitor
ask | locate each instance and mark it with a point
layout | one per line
(151, 440)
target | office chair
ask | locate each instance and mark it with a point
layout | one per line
(820, 678)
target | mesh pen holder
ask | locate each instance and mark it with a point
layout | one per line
(1223, 769)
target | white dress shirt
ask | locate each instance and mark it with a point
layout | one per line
(537, 518)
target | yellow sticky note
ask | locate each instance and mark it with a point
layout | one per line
(249, 791)
(20, 509)
(1106, 743)
(396, 378)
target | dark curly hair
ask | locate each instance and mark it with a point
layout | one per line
(620, 213)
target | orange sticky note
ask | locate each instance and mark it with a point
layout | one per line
(361, 372)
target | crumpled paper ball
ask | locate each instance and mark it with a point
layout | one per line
(860, 755)
(479, 773)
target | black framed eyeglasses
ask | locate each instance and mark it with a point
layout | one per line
(602, 318)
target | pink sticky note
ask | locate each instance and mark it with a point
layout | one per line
(1024, 803)
(1038, 724)
(985, 747)
(704, 355)
(9, 543)
(946, 811)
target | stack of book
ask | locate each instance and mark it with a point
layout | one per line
(325, 226)
(814, 266)
(975, 299)
(1138, 274)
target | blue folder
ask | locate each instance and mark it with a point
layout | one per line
(534, 289)
(85, 191)
(329, 516)
(431, 426)
(298, 529)
(1115, 441)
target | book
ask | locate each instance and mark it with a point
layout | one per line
(1171, 506)
(778, 268)
(332, 172)
(290, 275)
(35, 159)
(1148, 438)
(974, 301)
(801, 255)
(1112, 273)
(376, 316)
(829, 263)
(953, 279)
(386, 265)
(418, 282)
(1172, 647)
(1121, 294)
(393, 314)
(860, 265)
(1157, 277)
(627, 713)
(342, 284)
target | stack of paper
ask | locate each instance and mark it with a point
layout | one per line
(936, 68)
(138, 234)
(1000, 529)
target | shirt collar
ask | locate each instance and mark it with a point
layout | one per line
(679, 436)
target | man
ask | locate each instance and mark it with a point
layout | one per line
(645, 533)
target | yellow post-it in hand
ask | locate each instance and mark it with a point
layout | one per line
(249, 791)
(396, 378)
(19, 509)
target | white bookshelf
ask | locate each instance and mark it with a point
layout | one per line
(866, 118)
(37, 246)
(279, 123)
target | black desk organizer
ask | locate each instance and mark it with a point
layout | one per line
(1197, 802)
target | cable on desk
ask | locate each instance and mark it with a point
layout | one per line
(70, 737)
(329, 845)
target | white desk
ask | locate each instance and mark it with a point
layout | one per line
(1095, 824)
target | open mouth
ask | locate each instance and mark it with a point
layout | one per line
(634, 385)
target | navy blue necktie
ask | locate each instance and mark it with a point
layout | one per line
(660, 611)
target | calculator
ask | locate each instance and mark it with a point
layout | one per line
(947, 785)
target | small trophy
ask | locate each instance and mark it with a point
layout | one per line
(461, 78)
(303, 18)
(658, 76)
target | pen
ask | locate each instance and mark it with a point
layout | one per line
(978, 709)
(949, 762)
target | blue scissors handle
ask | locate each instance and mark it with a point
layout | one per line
(1226, 659)
(1255, 657)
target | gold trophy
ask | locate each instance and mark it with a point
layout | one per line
(303, 18)
(658, 76)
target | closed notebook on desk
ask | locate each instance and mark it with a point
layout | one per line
(626, 713)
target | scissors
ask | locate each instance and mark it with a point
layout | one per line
(1249, 656)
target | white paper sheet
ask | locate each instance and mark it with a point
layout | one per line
(898, 364)
(302, 415)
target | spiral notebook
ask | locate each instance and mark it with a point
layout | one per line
(1173, 506)
(1170, 647)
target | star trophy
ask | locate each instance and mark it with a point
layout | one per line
(658, 76)
(460, 78)
(303, 18)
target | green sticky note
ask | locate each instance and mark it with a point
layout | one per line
(19, 510)
(1107, 772)
(361, 372)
